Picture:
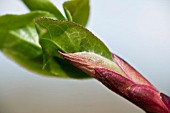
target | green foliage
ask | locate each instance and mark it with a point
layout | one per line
(77, 11)
(44, 5)
(69, 38)
(19, 39)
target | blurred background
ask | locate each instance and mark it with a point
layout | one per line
(136, 30)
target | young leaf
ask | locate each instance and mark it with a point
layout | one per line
(44, 5)
(68, 37)
(10, 21)
(19, 40)
(77, 11)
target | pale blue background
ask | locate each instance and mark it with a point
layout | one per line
(137, 30)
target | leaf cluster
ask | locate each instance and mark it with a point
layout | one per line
(32, 40)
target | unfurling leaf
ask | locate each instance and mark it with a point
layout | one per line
(88, 61)
(67, 37)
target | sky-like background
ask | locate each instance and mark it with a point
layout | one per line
(136, 30)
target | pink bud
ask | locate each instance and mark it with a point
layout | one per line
(121, 78)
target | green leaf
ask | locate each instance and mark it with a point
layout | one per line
(44, 5)
(10, 21)
(77, 11)
(67, 37)
(19, 40)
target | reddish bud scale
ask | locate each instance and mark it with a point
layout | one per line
(113, 81)
(166, 100)
(143, 96)
(131, 72)
(123, 79)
